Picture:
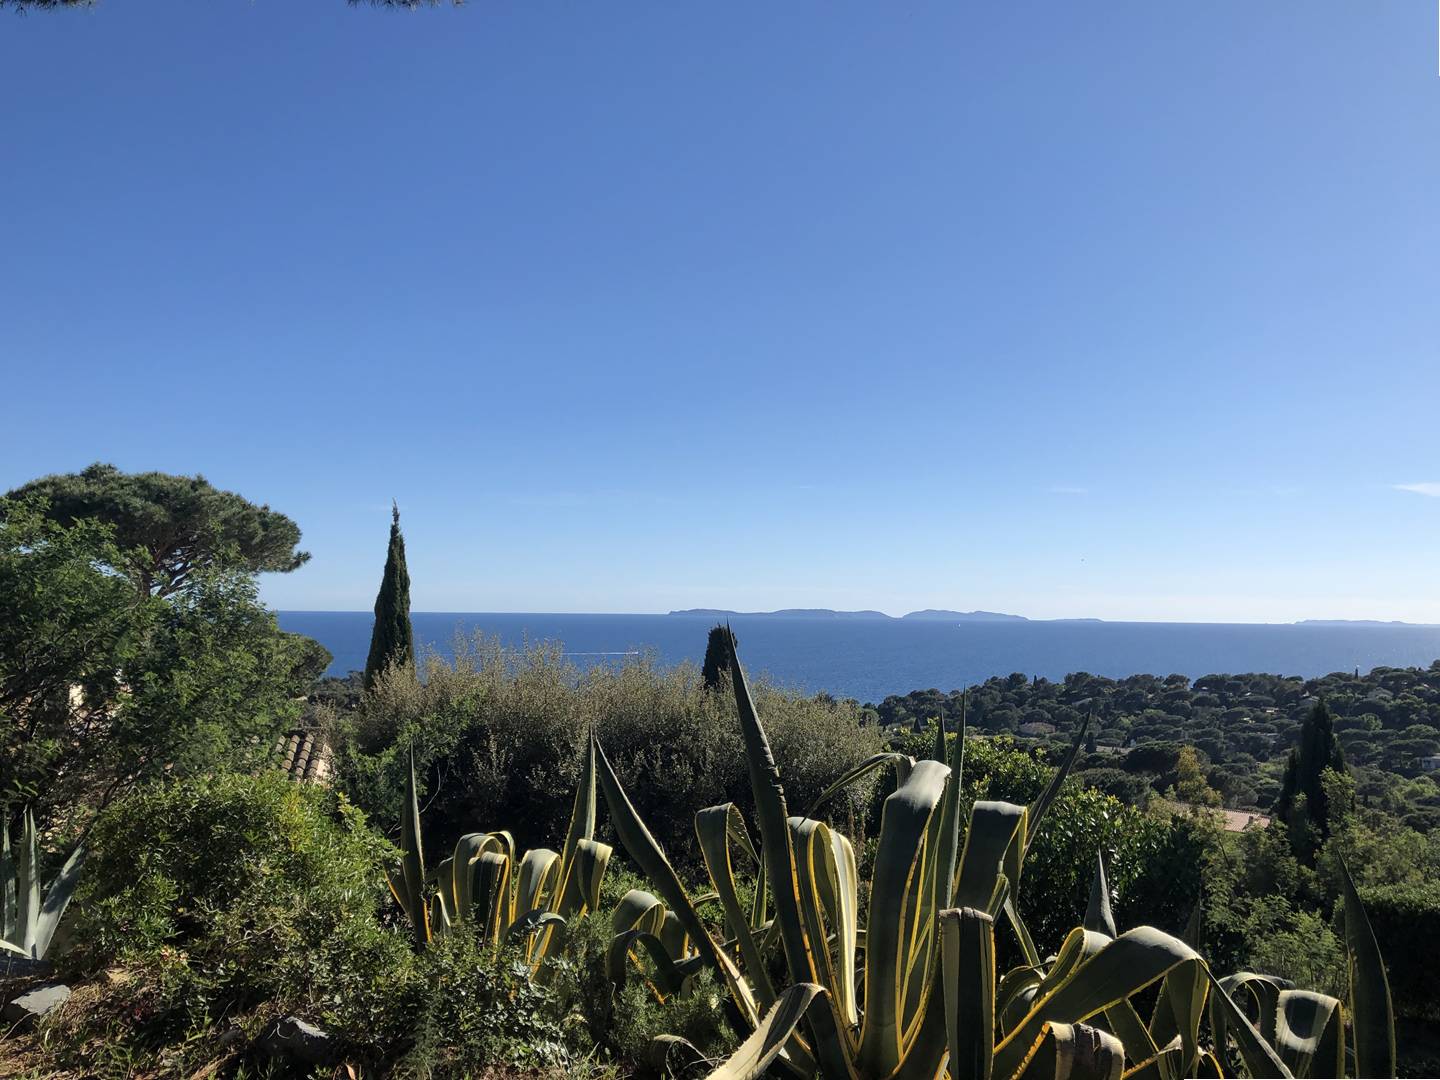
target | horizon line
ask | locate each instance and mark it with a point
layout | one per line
(719, 612)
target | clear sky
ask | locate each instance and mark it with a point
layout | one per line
(1119, 309)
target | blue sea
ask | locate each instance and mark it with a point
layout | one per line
(870, 659)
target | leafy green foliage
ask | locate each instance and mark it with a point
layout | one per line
(1243, 727)
(1406, 920)
(1304, 804)
(171, 529)
(102, 687)
(498, 734)
(392, 641)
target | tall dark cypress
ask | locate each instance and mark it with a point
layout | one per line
(392, 642)
(1319, 750)
(715, 671)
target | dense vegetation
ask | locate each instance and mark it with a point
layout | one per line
(1244, 725)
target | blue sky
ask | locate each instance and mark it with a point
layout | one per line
(1117, 309)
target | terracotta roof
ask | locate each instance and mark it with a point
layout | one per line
(304, 754)
(1230, 820)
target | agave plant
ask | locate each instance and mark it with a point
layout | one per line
(28, 922)
(916, 994)
(482, 883)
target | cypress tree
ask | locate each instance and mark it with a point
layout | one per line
(1317, 751)
(715, 671)
(392, 642)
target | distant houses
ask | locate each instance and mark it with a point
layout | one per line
(1428, 763)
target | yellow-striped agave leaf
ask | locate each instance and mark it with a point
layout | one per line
(467, 850)
(1041, 806)
(585, 877)
(1074, 1052)
(777, 860)
(773, 820)
(650, 857)
(995, 829)
(1226, 1016)
(897, 906)
(1098, 916)
(1122, 968)
(968, 951)
(717, 828)
(537, 880)
(755, 1055)
(582, 814)
(1179, 1009)
(830, 904)
(1371, 1010)
(1310, 1033)
(408, 886)
(1164, 1064)
(902, 764)
(491, 909)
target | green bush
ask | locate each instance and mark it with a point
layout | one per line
(222, 895)
(498, 738)
(1406, 920)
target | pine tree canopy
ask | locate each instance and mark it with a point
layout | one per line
(170, 529)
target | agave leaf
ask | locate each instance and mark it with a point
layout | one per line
(467, 850)
(773, 819)
(409, 889)
(1310, 1031)
(650, 857)
(1124, 1021)
(1371, 1009)
(897, 905)
(829, 902)
(902, 764)
(491, 909)
(1074, 1052)
(439, 917)
(778, 860)
(1162, 1065)
(1194, 927)
(536, 878)
(1259, 1056)
(716, 827)
(582, 815)
(445, 886)
(29, 884)
(1098, 916)
(57, 899)
(586, 876)
(9, 887)
(993, 827)
(753, 1056)
(673, 1056)
(1122, 968)
(1042, 804)
(1178, 1011)
(968, 938)
(668, 978)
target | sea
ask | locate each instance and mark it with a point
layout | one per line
(869, 659)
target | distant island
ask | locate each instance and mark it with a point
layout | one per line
(928, 615)
(1356, 622)
(941, 615)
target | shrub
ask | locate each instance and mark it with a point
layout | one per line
(499, 736)
(234, 893)
(1406, 919)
